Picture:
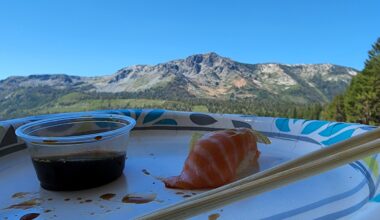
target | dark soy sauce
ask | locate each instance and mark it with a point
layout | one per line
(79, 171)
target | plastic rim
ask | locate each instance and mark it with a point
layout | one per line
(130, 123)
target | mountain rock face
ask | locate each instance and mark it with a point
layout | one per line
(204, 76)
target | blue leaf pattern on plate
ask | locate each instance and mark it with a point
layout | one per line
(153, 115)
(137, 113)
(313, 126)
(376, 198)
(114, 112)
(333, 129)
(126, 112)
(2, 131)
(166, 122)
(9, 137)
(340, 137)
(202, 119)
(282, 124)
(368, 128)
(241, 124)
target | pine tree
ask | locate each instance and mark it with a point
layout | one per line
(374, 53)
(336, 110)
(361, 102)
(372, 69)
(363, 96)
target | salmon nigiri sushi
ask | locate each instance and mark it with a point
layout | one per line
(217, 158)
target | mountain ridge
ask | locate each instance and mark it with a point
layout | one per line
(196, 77)
(208, 76)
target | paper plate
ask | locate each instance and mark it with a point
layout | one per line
(158, 148)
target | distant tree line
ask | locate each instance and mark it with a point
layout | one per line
(273, 108)
(43, 100)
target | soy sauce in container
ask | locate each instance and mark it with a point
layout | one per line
(78, 151)
(79, 171)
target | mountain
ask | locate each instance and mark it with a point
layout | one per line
(200, 76)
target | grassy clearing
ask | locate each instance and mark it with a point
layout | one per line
(199, 108)
(71, 105)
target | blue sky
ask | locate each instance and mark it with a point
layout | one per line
(89, 37)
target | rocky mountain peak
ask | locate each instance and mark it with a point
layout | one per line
(208, 59)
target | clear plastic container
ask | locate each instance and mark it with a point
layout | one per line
(77, 151)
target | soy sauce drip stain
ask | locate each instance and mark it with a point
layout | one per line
(213, 216)
(50, 141)
(25, 205)
(145, 172)
(85, 201)
(30, 216)
(20, 195)
(107, 196)
(138, 199)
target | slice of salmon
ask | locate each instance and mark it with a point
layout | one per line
(215, 159)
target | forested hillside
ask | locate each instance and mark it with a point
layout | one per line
(361, 101)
